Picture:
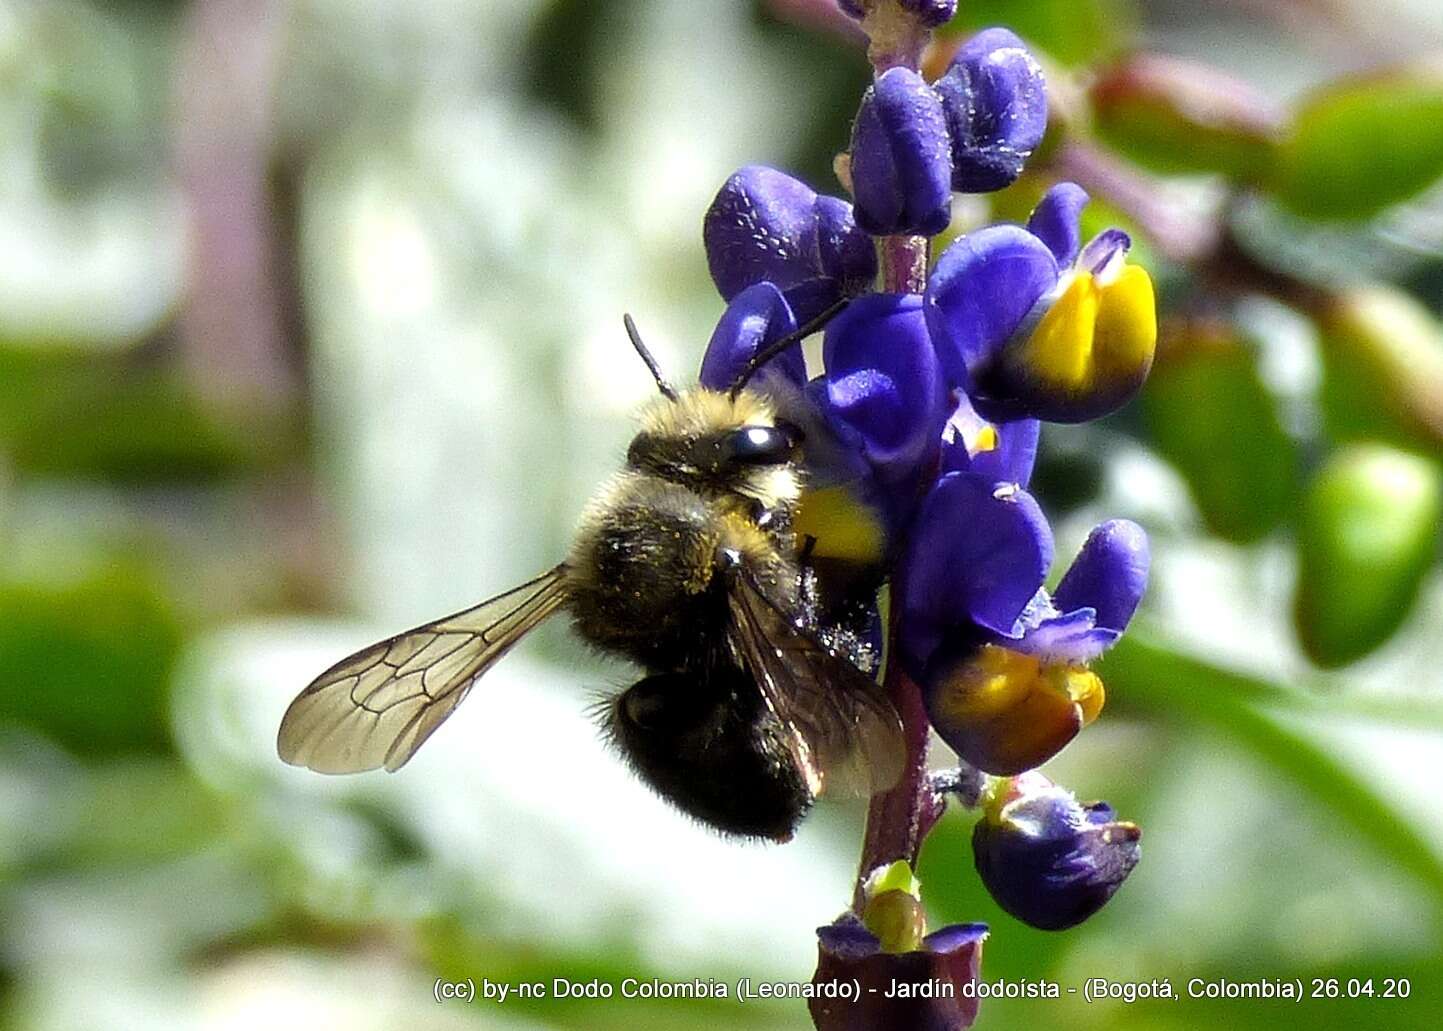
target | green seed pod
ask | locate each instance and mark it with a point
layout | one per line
(1383, 368)
(1210, 415)
(1367, 534)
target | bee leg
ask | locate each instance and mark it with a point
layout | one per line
(809, 593)
(965, 783)
(773, 520)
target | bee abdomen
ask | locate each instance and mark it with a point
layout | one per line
(706, 742)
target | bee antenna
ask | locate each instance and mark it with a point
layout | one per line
(776, 347)
(667, 390)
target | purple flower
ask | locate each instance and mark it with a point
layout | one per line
(901, 157)
(757, 316)
(1003, 452)
(1031, 325)
(1047, 859)
(976, 555)
(1002, 663)
(765, 226)
(848, 953)
(995, 100)
(1095, 600)
(882, 393)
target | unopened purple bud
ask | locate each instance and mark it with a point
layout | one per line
(765, 226)
(901, 157)
(931, 13)
(1048, 859)
(995, 99)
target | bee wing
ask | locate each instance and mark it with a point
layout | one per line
(844, 731)
(378, 706)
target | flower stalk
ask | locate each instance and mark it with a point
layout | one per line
(897, 38)
(921, 435)
(898, 820)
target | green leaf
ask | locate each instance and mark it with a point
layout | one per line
(88, 664)
(1368, 534)
(1074, 32)
(1363, 145)
(1211, 416)
(1144, 675)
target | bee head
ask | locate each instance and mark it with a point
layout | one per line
(717, 443)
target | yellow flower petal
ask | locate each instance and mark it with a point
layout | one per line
(844, 528)
(1126, 333)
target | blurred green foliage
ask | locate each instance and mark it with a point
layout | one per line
(1210, 415)
(1357, 148)
(1369, 532)
(560, 154)
(88, 663)
(1075, 32)
(140, 424)
(1181, 118)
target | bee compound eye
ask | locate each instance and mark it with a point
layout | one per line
(758, 445)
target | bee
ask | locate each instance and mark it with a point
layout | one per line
(687, 563)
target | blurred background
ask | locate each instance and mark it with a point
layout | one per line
(310, 330)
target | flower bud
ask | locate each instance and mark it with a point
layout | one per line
(1382, 367)
(929, 13)
(1367, 536)
(765, 226)
(1047, 859)
(1028, 338)
(901, 159)
(995, 100)
(1176, 115)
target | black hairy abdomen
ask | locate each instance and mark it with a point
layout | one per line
(708, 743)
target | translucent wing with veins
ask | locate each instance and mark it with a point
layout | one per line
(378, 706)
(844, 732)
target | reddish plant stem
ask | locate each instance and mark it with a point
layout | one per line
(904, 264)
(898, 820)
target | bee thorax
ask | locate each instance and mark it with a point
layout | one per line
(646, 570)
